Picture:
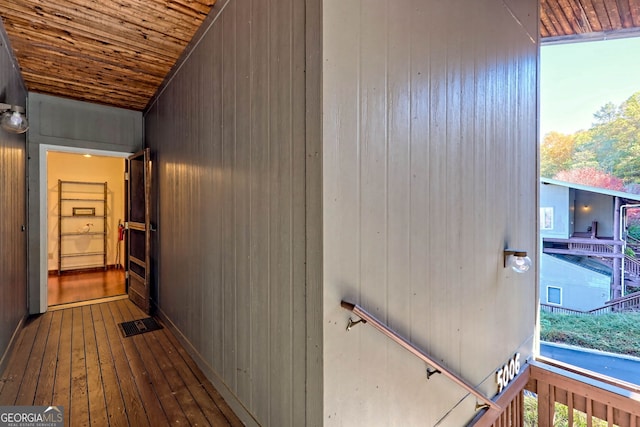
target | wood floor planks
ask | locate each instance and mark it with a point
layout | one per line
(78, 359)
(95, 387)
(29, 382)
(62, 381)
(13, 379)
(114, 402)
(200, 378)
(44, 390)
(79, 413)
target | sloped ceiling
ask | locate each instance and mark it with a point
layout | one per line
(114, 52)
(118, 52)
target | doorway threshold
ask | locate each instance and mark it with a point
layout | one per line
(87, 302)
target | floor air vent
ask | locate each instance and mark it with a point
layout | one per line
(139, 326)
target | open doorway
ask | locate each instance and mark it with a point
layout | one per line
(589, 282)
(85, 215)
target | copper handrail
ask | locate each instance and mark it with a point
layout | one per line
(369, 318)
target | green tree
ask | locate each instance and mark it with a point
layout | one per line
(596, 147)
(626, 131)
(611, 145)
(607, 113)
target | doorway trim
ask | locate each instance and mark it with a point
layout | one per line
(44, 209)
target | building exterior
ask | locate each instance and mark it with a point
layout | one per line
(310, 152)
(573, 283)
(583, 236)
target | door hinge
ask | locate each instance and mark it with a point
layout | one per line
(126, 274)
(126, 225)
(126, 176)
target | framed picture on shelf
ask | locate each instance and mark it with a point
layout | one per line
(83, 211)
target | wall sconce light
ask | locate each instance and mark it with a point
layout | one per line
(517, 260)
(13, 118)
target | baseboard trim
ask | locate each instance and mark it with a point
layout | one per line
(86, 302)
(227, 394)
(4, 360)
(86, 270)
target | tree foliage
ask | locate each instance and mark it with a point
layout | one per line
(591, 177)
(556, 153)
(611, 147)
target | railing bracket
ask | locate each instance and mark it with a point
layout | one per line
(351, 323)
(431, 371)
(480, 406)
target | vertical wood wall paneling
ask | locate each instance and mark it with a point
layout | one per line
(373, 192)
(424, 184)
(313, 218)
(242, 113)
(229, 350)
(399, 45)
(260, 214)
(438, 282)
(213, 71)
(299, 288)
(232, 187)
(340, 205)
(280, 215)
(418, 94)
(13, 240)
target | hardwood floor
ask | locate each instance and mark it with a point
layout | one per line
(78, 359)
(82, 286)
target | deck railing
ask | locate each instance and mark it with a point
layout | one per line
(593, 396)
(584, 246)
(562, 310)
(625, 303)
(596, 399)
(631, 265)
(591, 247)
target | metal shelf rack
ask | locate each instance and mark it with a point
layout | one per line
(78, 202)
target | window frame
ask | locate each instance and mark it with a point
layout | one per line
(560, 295)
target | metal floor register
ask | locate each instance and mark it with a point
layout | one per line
(139, 326)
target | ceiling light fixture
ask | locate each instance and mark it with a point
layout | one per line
(517, 260)
(13, 118)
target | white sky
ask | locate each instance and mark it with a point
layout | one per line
(577, 79)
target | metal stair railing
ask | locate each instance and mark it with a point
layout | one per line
(404, 343)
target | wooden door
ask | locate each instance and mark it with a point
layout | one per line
(138, 189)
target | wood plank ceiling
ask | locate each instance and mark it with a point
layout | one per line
(575, 18)
(114, 52)
(118, 52)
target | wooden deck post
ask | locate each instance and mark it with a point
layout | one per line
(546, 403)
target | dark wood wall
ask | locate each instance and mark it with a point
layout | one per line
(228, 140)
(13, 244)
